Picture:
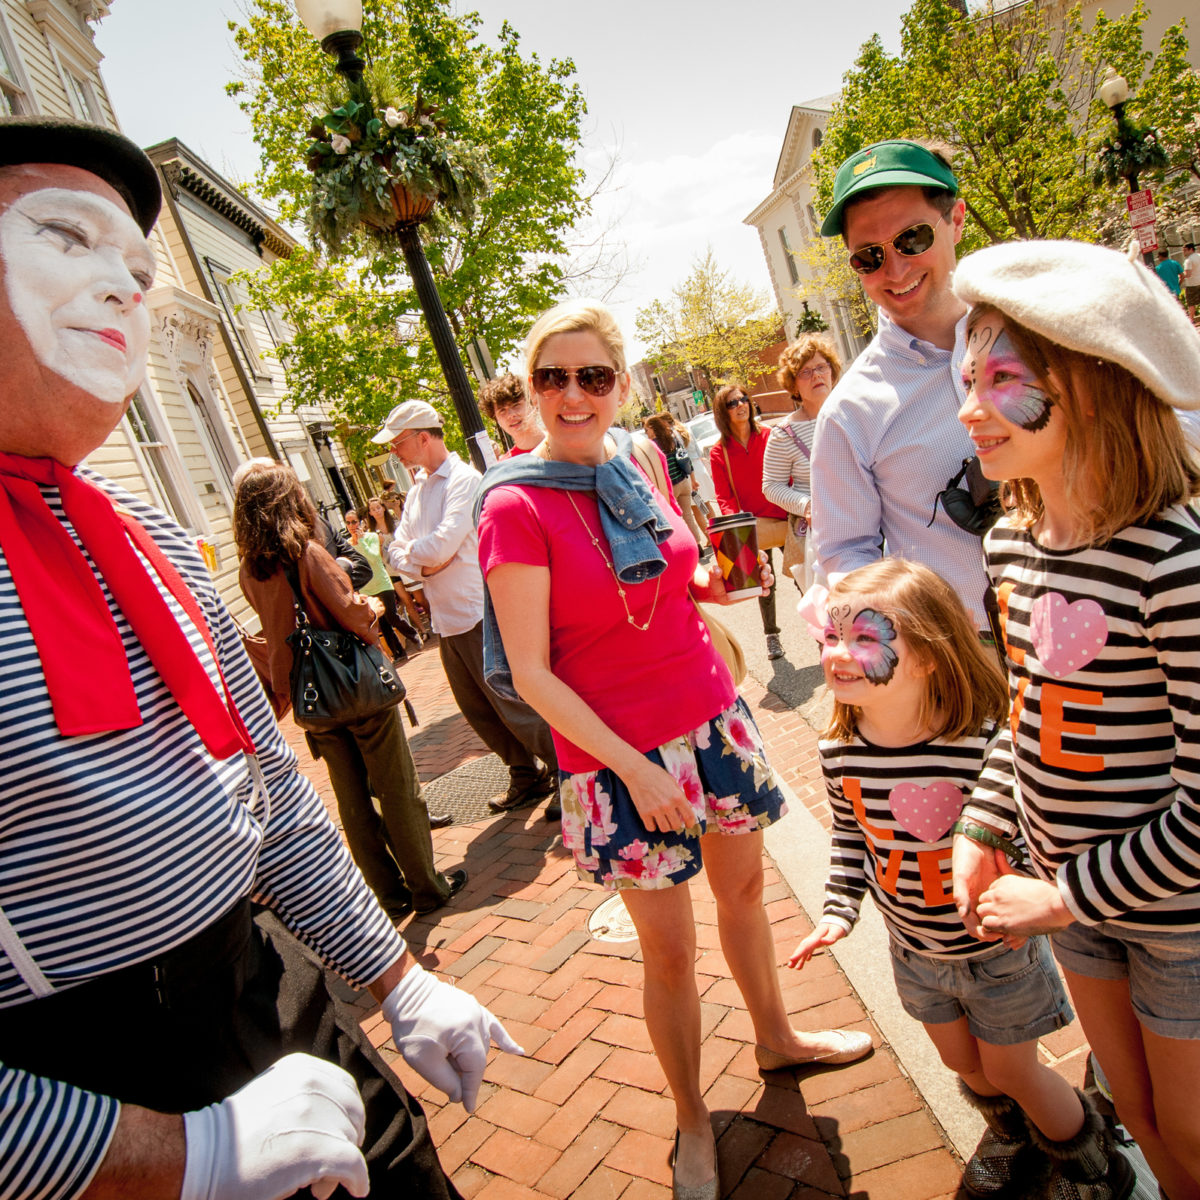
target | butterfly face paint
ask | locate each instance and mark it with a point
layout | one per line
(867, 636)
(998, 376)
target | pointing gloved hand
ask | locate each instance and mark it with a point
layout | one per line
(444, 1033)
(298, 1124)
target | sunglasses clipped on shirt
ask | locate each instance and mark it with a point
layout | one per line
(595, 381)
(910, 242)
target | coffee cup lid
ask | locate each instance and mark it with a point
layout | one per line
(732, 520)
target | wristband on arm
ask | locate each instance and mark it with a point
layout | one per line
(977, 833)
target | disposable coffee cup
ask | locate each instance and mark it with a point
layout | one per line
(735, 539)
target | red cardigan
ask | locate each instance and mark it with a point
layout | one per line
(746, 465)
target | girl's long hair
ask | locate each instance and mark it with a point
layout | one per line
(1126, 459)
(273, 519)
(388, 520)
(966, 687)
(662, 429)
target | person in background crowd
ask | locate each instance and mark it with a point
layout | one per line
(380, 521)
(151, 797)
(1169, 271)
(1191, 279)
(808, 371)
(661, 428)
(366, 542)
(1076, 364)
(436, 541)
(888, 440)
(593, 578)
(736, 461)
(273, 520)
(503, 400)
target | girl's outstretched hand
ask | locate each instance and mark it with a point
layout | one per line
(824, 935)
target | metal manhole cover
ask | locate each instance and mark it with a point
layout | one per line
(611, 922)
(466, 790)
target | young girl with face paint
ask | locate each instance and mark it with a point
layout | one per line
(918, 706)
(1074, 364)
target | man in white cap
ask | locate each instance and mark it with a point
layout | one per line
(157, 1037)
(888, 440)
(436, 542)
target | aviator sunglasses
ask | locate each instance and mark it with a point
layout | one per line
(910, 242)
(595, 381)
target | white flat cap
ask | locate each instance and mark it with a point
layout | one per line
(412, 414)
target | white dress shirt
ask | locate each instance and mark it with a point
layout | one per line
(436, 527)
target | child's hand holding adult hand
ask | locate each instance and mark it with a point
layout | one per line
(1016, 905)
(825, 934)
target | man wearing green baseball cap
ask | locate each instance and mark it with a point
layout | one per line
(888, 439)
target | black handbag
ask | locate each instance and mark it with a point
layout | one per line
(337, 678)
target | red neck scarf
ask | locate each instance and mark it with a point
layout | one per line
(83, 658)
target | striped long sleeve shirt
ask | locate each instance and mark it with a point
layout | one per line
(116, 847)
(893, 808)
(1100, 767)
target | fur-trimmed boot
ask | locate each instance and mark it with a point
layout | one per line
(1005, 1163)
(1088, 1166)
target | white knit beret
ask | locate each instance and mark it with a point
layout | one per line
(1093, 300)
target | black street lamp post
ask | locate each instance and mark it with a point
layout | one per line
(337, 26)
(1136, 148)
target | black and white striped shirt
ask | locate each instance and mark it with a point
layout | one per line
(893, 808)
(1101, 765)
(115, 847)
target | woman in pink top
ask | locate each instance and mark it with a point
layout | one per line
(736, 462)
(662, 766)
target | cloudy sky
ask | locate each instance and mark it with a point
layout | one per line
(692, 98)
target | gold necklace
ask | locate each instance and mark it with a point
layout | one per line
(613, 572)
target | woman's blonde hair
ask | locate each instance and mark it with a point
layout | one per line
(576, 316)
(966, 687)
(806, 346)
(1126, 458)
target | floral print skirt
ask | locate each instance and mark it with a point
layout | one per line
(724, 774)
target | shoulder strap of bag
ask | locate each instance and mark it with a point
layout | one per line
(798, 440)
(652, 464)
(729, 473)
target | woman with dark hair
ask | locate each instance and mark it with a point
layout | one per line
(379, 521)
(273, 522)
(391, 623)
(661, 429)
(737, 470)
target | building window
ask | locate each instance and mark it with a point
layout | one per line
(156, 455)
(220, 450)
(13, 98)
(237, 313)
(817, 138)
(787, 256)
(81, 97)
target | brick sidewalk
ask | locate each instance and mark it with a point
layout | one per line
(585, 1114)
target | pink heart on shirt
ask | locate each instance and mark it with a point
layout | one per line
(926, 812)
(1066, 636)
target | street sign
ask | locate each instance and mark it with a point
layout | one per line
(697, 396)
(1141, 208)
(1147, 238)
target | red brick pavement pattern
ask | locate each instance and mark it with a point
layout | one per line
(586, 1113)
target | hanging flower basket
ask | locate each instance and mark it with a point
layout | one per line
(378, 166)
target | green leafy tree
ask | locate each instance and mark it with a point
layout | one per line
(359, 341)
(713, 323)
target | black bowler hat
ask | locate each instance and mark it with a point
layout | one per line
(103, 152)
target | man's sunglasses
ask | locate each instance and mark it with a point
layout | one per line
(866, 260)
(595, 381)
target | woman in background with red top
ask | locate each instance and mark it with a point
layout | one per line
(591, 577)
(736, 462)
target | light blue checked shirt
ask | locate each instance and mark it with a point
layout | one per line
(888, 440)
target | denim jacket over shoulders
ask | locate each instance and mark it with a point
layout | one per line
(632, 523)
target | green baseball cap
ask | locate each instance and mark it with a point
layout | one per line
(885, 164)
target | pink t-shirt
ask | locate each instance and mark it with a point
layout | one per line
(646, 687)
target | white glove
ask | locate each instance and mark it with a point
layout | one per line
(298, 1124)
(444, 1034)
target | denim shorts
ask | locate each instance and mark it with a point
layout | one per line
(1008, 997)
(1162, 966)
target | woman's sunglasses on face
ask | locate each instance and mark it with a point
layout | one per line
(910, 242)
(732, 404)
(595, 381)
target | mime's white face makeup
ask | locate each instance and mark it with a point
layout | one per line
(76, 270)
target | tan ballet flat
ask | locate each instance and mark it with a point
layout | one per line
(854, 1046)
(700, 1191)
